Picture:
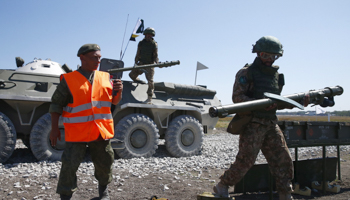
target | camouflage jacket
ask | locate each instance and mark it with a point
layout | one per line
(140, 54)
(244, 86)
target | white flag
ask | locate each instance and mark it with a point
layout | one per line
(138, 29)
(200, 66)
(320, 110)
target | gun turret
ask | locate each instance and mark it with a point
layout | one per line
(323, 97)
(116, 67)
(161, 64)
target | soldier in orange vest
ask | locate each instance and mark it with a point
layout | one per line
(84, 98)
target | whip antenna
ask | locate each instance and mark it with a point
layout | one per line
(121, 49)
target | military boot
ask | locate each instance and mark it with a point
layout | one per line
(103, 192)
(285, 196)
(221, 189)
(149, 100)
(137, 80)
(65, 197)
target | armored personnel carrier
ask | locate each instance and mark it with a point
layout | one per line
(178, 113)
(25, 95)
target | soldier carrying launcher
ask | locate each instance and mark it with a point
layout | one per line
(261, 131)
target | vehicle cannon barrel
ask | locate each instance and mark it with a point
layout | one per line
(161, 64)
(323, 97)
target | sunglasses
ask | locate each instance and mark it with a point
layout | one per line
(266, 56)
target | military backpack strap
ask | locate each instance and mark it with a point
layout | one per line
(240, 120)
(280, 81)
(249, 78)
(249, 73)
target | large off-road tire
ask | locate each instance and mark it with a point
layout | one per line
(8, 138)
(140, 136)
(184, 136)
(40, 140)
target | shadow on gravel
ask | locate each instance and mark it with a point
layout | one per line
(262, 196)
(25, 155)
(161, 152)
(21, 155)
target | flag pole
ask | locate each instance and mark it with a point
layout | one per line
(121, 49)
(125, 50)
(195, 79)
(200, 66)
(128, 42)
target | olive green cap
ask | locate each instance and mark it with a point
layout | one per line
(87, 48)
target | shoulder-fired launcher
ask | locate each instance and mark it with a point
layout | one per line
(323, 97)
(161, 64)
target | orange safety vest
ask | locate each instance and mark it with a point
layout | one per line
(90, 113)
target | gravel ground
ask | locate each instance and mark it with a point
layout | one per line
(22, 177)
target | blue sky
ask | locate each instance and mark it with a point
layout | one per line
(315, 36)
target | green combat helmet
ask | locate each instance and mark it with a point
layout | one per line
(149, 30)
(268, 44)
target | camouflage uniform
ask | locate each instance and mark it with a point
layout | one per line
(147, 53)
(260, 133)
(101, 151)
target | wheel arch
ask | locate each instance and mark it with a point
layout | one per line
(29, 118)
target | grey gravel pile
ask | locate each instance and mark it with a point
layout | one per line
(218, 152)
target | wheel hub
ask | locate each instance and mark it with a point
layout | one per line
(187, 137)
(138, 138)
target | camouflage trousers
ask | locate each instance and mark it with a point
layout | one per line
(270, 139)
(102, 156)
(149, 76)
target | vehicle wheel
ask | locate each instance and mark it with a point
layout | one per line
(40, 140)
(184, 136)
(140, 136)
(8, 138)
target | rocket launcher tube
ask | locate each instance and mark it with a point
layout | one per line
(317, 97)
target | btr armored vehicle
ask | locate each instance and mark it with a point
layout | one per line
(178, 113)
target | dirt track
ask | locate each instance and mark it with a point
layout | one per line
(17, 185)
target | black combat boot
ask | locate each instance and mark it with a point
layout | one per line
(65, 197)
(221, 189)
(285, 196)
(137, 80)
(103, 192)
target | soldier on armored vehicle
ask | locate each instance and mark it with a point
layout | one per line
(147, 53)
